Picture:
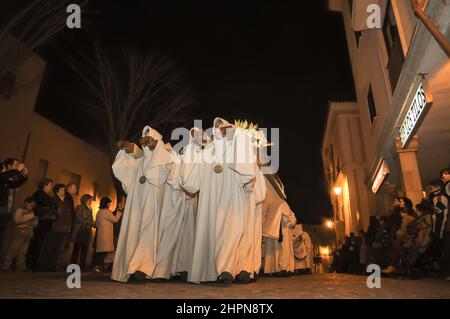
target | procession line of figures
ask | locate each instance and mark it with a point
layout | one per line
(196, 215)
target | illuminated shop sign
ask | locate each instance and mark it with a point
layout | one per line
(382, 171)
(416, 112)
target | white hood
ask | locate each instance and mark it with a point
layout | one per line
(217, 124)
(148, 131)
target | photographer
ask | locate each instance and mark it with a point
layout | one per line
(13, 174)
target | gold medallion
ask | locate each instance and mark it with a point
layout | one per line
(142, 179)
(218, 169)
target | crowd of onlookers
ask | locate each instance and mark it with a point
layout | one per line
(36, 234)
(410, 241)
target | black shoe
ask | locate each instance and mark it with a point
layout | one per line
(183, 276)
(138, 277)
(284, 273)
(226, 278)
(255, 277)
(243, 277)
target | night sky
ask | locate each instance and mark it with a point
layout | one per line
(276, 63)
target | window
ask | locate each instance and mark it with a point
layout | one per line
(42, 169)
(393, 47)
(68, 177)
(357, 37)
(371, 105)
(95, 190)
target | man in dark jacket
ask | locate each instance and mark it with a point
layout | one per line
(46, 210)
(61, 229)
(12, 175)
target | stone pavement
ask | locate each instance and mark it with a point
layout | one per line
(53, 285)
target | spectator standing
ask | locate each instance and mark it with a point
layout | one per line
(353, 255)
(398, 247)
(384, 240)
(105, 220)
(13, 174)
(82, 231)
(72, 190)
(61, 229)
(46, 210)
(25, 220)
(363, 250)
(395, 219)
(445, 195)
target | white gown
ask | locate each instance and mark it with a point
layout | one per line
(303, 249)
(138, 238)
(176, 229)
(222, 207)
(250, 246)
(280, 256)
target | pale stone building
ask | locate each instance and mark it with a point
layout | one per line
(395, 137)
(47, 149)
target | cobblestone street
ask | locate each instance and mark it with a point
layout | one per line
(53, 285)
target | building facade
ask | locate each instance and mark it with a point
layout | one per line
(395, 138)
(47, 149)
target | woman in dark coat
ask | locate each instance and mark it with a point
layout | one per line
(82, 231)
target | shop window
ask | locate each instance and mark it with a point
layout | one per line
(393, 47)
(371, 105)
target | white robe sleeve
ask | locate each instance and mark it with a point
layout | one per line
(158, 169)
(190, 169)
(173, 179)
(125, 166)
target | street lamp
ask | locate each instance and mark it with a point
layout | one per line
(337, 190)
(329, 224)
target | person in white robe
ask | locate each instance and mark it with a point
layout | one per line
(303, 250)
(225, 187)
(176, 238)
(143, 174)
(260, 194)
(279, 252)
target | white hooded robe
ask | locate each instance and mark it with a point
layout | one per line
(303, 249)
(138, 238)
(222, 206)
(175, 244)
(280, 256)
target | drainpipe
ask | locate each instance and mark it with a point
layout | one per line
(417, 6)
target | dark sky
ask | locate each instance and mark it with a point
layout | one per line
(276, 63)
